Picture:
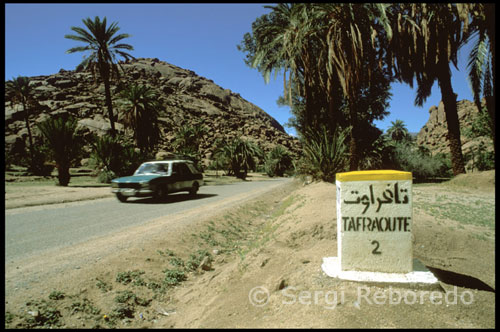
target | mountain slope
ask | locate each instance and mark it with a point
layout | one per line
(186, 98)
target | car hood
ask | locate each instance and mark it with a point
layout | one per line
(137, 178)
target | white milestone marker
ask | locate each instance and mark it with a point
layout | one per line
(374, 229)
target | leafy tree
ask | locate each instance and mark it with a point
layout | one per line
(328, 81)
(426, 38)
(63, 143)
(104, 48)
(480, 126)
(141, 115)
(18, 91)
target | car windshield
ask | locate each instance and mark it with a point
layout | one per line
(152, 168)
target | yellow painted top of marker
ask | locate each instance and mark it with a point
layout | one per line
(375, 175)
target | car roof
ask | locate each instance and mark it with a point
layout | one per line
(167, 161)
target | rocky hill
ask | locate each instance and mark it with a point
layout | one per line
(186, 98)
(433, 134)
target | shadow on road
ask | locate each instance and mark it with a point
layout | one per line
(172, 198)
(89, 186)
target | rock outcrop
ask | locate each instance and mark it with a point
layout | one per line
(185, 98)
(433, 134)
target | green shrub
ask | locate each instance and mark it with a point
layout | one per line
(485, 161)
(423, 166)
(124, 296)
(196, 258)
(85, 306)
(174, 277)
(106, 176)
(131, 276)
(56, 295)
(48, 316)
(115, 157)
(122, 311)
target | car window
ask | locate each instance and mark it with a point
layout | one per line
(175, 168)
(193, 168)
(152, 168)
(146, 168)
(184, 169)
(162, 168)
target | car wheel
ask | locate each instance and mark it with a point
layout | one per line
(194, 189)
(160, 192)
(121, 198)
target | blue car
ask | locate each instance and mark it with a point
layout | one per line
(157, 179)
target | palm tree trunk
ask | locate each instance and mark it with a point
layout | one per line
(109, 104)
(450, 109)
(353, 144)
(63, 175)
(490, 106)
(104, 71)
(30, 137)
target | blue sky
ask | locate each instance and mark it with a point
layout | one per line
(198, 37)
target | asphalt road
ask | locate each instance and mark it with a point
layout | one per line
(29, 231)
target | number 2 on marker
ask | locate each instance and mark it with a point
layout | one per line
(377, 245)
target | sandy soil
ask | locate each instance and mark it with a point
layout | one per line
(265, 269)
(16, 196)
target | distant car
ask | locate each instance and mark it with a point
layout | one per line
(157, 179)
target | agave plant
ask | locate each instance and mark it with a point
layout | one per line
(325, 153)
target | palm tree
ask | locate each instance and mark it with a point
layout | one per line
(398, 131)
(18, 91)
(482, 56)
(141, 115)
(351, 39)
(104, 48)
(63, 143)
(426, 38)
(188, 137)
(278, 161)
(287, 40)
(240, 156)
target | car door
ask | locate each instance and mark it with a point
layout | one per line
(176, 177)
(185, 176)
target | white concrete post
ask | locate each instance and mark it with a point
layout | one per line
(374, 221)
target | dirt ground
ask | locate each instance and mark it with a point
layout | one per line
(259, 266)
